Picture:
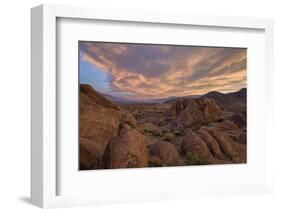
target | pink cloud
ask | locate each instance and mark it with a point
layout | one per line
(157, 71)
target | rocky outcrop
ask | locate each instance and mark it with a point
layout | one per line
(165, 154)
(239, 119)
(232, 150)
(150, 128)
(194, 147)
(211, 143)
(193, 131)
(128, 150)
(192, 112)
(100, 123)
(90, 154)
(86, 161)
(127, 120)
(224, 125)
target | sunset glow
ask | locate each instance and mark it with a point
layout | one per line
(145, 71)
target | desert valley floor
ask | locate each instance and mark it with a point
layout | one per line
(197, 130)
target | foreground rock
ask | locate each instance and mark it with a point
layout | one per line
(239, 119)
(100, 123)
(128, 150)
(195, 149)
(233, 151)
(210, 145)
(186, 132)
(90, 154)
(164, 154)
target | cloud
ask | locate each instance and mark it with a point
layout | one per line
(156, 71)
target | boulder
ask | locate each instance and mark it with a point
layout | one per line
(224, 125)
(165, 154)
(85, 160)
(211, 142)
(127, 120)
(239, 119)
(150, 128)
(243, 138)
(127, 150)
(90, 154)
(194, 147)
(232, 150)
(168, 136)
(99, 123)
(191, 112)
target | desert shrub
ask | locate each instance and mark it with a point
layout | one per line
(168, 136)
(197, 126)
(155, 162)
(191, 159)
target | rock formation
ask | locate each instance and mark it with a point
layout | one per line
(210, 129)
(199, 111)
(128, 150)
(165, 154)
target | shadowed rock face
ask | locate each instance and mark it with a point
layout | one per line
(202, 130)
(194, 146)
(232, 150)
(164, 154)
(222, 145)
(100, 122)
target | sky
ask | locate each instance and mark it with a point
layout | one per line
(148, 71)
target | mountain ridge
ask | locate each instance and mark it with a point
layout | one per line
(224, 100)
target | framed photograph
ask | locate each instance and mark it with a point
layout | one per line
(129, 106)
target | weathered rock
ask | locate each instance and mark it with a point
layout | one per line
(211, 111)
(150, 139)
(211, 142)
(128, 150)
(195, 130)
(154, 161)
(99, 123)
(178, 106)
(150, 127)
(231, 149)
(164, 154)
(89, 97)
(235, 134)
(168, 136)
(239, 119)
(243, 138)
(194, 146)
(127, 120)
(224, 125)
(191, 112)
(85, 160)
(164, 129)
(90, 154)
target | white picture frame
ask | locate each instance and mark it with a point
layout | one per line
(44, 153)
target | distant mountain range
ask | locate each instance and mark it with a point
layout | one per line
(121, 100)
(224, 100)
(229, 101)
